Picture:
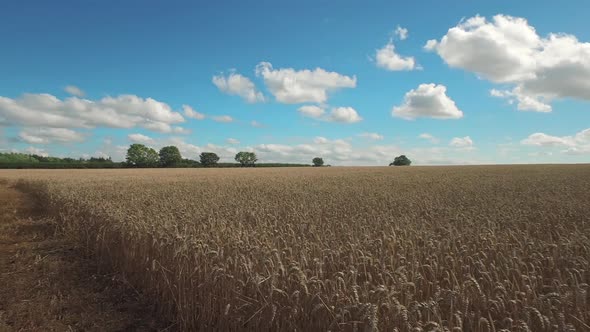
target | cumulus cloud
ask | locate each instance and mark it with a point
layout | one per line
(576, 144)
(344, 115)
(337, 114)
(222, 118)
(331, 149)
(180, 130)
(429, 137)
(311, 111)
(292, 86)
(125, 111)
(256, 124)
(401, 33)
(541, 139)
(236, 84)
(501, 51)
(509, 50)
(139, 138)
(465, 143)
(37, 151)
(342, 152)
(232, 141)
(524, 102)
(189, 112)
(75, 91)
(428, 100)
(371, 136)
(430, 45)
(387, 58)
(50, 135)
(320, 140)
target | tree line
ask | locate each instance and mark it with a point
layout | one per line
(139, 155)
(142, 156)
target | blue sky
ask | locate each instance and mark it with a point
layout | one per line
(459, 82)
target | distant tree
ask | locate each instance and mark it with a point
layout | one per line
(317, 162)
(40, 158)
(100, 160)
(17, 158)
(140, 155)
(401, 161)
(188, 163)
(170, 156)
(208, 159)
(246, 159)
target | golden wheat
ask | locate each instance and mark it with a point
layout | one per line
(487, 248)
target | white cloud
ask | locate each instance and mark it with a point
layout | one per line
(431, 45)
(222, 118)
(232, 141)
(139, 138)
(387, 58)
(428, 100)
(342, 152)
(256, 124)
(125, 111)
(334, 151)
(180, 130)
(320, 140)
(236, 84)
(344, 115)
(541, 139)
(292, 86)
(372, 136)
(311, 111)
(501, 51)
(303, 153)
(524, 102)
(75, 91)
(50, 135)
(429, 137)
(578, 150)
(37, 151)
(508, 50)
(465, 143)
(191, 113)
(337, 114)
(576, 144)
(401, 33)
(109, 149)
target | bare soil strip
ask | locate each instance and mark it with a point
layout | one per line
(46, 283)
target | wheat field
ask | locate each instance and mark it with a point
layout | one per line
(470, 248)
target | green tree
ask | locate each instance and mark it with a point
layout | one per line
(208, 159)
(401, 161)
(317, 162)
(100, 160)
(247, 159)
(17, 158)
(139, 155)
(170, 156)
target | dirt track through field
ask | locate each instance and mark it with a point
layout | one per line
(46, 284)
